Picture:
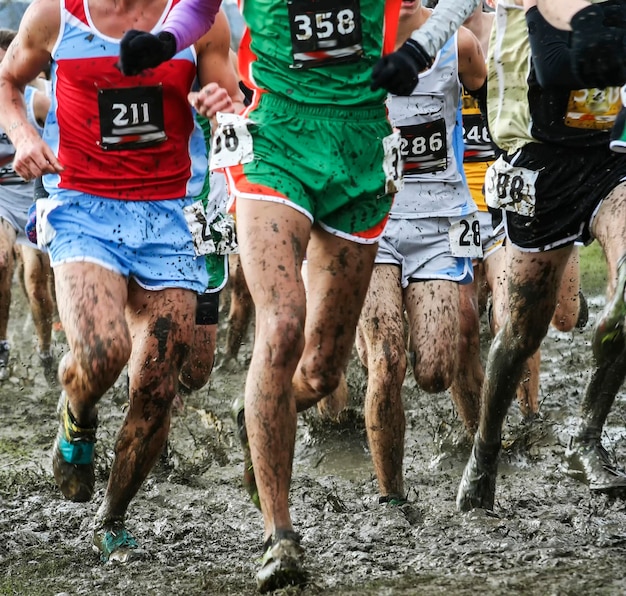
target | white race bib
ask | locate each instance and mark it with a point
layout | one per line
(464, 235)
(392, 163)
(510, 187)
(231, 144)
(210, 237)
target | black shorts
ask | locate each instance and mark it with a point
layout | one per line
(207, 308)
(570, 185)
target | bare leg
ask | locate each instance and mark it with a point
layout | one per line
(433, 311)
(7, 264)
(36, 281)
(587, 459)
(161, 331)
(381, 329)
(241, 309)
(466, 386)
(273, 241)
(533, 282)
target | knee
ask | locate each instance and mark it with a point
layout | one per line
(283, 340)
(387, 364)
(434, 379)
(101, 362)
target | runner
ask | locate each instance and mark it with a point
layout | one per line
(425, 253)
(559, 182)
(125, 268)
(16, 197)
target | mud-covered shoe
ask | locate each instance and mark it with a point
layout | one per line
(589, 462)
(478, 484)
(392, 500)
(113, 542)
(249, 481)
(73, 455)
(282, 563)
(50, 367)
(608, 336)
(5, 351)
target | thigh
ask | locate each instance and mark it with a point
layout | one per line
(7, 236)
(433, 312)
(273, 240)
(36, 263)
(338, 275)
(161, 324)
(91, 302)
(533, 281)
(381, 324)
(609, 228)
(495, 274)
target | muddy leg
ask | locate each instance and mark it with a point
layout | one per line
(381, 330)
(533, 280)
(162, 329)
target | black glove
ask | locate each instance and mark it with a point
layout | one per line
(598, 50)
(140, 50)
(398, 72)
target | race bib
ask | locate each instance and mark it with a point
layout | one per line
(392, 163)
(424, 149)
(594, 109)
(231, 144)
(325, 32)
(464, 236)
(210, 237)
(511, 188)
(131, 117)
(476, 139)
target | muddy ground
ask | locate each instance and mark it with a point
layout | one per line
(548, 535)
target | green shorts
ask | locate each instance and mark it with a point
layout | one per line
(326, 162)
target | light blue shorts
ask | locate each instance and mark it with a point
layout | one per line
(148, 241)
(421, 248)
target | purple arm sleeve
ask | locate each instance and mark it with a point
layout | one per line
(189, 20)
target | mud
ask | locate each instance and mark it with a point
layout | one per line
(201, 535)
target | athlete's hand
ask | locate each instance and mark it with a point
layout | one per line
(140, 50)
(398, 72)
(33, 157)
(598, 48)
(211, 99)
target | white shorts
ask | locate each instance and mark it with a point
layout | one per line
(421, 248)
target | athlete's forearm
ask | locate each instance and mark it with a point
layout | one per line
(446, 18)
(560, 12)
(189, 20)
(13, 118)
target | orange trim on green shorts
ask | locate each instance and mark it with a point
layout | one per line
(374, 232)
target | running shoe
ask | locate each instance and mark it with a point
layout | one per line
(392, 500)
(589, 462)
(73, 455)
(478, 484)
(249, 482)
(608, 336)
(5, 349)
(50, 368)
(113, 542)
(282, 563)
